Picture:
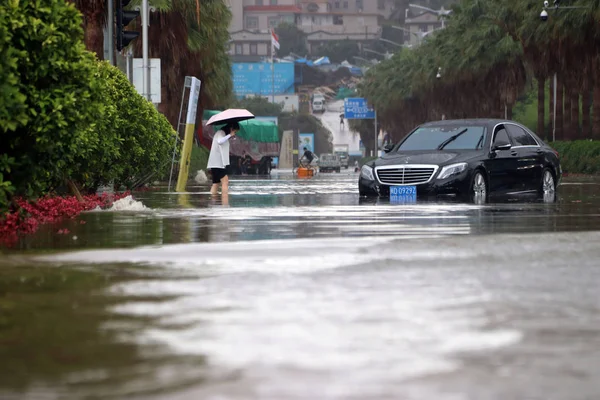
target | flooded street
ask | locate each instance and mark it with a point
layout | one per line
(299, 289)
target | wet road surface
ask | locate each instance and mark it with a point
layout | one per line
(297, 289)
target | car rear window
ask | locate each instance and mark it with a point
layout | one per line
(440, 138)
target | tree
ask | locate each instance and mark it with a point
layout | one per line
(366, 130)
(291, 40)
(339, 50)
(195, 46)
(54, 96)
(259, 106)
(94, 20)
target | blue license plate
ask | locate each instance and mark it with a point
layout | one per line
(403, 194)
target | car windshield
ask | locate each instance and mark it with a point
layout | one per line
(445, 137)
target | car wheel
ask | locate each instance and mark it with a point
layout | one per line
(548, 187)
(479, 192)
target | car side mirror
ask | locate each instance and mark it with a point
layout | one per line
(388, 148)
(502, 146)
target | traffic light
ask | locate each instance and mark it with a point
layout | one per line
(123, 19)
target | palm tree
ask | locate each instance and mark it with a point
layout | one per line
(94, 20)
(190, 37)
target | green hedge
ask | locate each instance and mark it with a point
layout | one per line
(64, 115)
(579, 157)
(198, 160)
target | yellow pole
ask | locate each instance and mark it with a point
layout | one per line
(184, 163)
(188, 141)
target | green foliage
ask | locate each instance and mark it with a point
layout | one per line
(291, 40)
(525, 109)
(339, 50)
(366, 130)
(198, 159)
(579, 156)
(134, 138)
(63, 115)
(259, 106)
(48, 117)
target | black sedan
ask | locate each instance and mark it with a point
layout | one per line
(469, 160)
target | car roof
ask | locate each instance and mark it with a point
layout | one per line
(472, 121)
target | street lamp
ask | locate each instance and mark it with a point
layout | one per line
(441, 12)
(419, 35)
(370, 62)
(391, 42)
(387, 55)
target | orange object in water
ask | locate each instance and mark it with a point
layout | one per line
(305, 172)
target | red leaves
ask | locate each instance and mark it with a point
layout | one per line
(47, 210)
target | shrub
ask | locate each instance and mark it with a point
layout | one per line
(198, 159)
(134, 138)
(65, 116)
(579, 157)
(49, 99)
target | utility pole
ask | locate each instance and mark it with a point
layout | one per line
(145, 61)
(111, 34)
(375, 146)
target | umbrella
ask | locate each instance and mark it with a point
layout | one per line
(230, 115)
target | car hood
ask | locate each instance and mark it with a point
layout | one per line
(424, 157)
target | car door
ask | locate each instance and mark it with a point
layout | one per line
(502, 164)
(530, 157)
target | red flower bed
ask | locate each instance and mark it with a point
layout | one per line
(45, 210)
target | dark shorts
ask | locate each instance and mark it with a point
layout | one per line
(219, 173)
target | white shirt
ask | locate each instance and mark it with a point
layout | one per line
(219, 151)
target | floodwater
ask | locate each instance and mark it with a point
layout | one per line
(298, 289)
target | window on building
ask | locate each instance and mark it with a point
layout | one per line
(337, 4)
(381, 4)
(424, 28)
(239, 49)
(359, 5)
(259, 2)
(253, 49)
(251, 22)
(338, 20)
(273, 22)
(273, 2)
(345, 4)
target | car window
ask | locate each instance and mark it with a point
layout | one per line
(501, 137)
(519, 136)
(445, 137)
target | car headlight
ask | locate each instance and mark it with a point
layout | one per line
(452, 169)
(367, 172)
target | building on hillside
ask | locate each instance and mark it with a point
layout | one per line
(321, 20)
(418, 26)
(251, 24)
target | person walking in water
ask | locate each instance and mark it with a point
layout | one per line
(218, 160)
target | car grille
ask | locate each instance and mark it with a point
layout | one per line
(405, 175)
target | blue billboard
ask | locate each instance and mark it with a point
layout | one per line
(357, 108)
(257, 79)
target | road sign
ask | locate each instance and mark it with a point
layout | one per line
(357, 108)
(155, 77)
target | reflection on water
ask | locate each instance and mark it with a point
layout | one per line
(299, 289)
(324, 206)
